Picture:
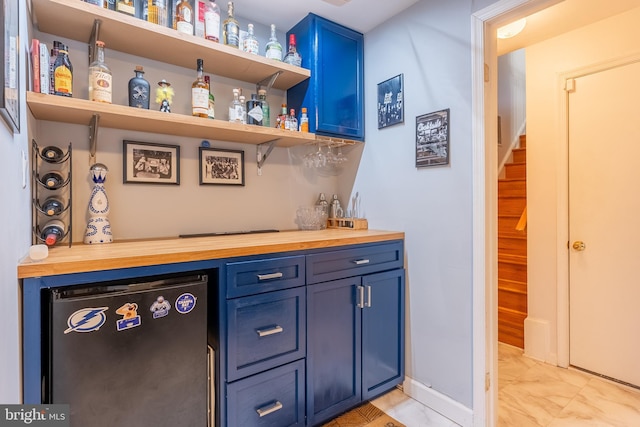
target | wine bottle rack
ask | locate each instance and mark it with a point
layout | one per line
(40, 166)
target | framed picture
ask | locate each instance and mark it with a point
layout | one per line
(390, 102)
(9, 79)
(221, 167)
(432, 139)
(149, 163)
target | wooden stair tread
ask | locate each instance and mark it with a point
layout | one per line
(512, 259)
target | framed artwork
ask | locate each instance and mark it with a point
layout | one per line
(391, 102)
(221, 167)
(149, 163)
(9, 79)
(432, 139)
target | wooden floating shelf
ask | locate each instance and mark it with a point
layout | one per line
(348, 223)
(74, 19)
(80, 111)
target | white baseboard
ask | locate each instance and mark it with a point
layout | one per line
(440, 403)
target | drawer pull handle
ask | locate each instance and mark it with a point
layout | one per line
(270, 276)
(266, 410)
(266, 332)
(361, 261)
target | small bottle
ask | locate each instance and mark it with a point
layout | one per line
(212, 101)
(250, 43)
(235, 109)
(304, 121)
(157, 12)
(292, 122)
(231, 29)
(184, 17)
(127, 7)
(100, 83)
(139, 89)
(266, 119)
(110, 4)
(243, 109)
(255, 115)
(273, 50)
(52, 232)
(282, 117)
(200, 93)
(52, 206)
(323, 203)
(51, 154)
(212, 21)
(293, 57)
(63, 73)
(53, 179)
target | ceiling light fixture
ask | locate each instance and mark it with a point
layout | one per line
(513, 29)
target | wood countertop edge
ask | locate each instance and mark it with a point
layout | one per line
(82, 258)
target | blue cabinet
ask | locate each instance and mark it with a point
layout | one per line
(334, 94)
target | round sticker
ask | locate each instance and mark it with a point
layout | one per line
(185, 303)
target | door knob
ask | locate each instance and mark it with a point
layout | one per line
(579, 246)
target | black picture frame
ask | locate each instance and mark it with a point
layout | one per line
(391, 101)
(432, 139)
(150, 163)
(10, 77)
(221, 167)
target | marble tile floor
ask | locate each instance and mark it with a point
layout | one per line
(535, 394)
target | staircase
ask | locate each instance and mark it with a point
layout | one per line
(512, 249)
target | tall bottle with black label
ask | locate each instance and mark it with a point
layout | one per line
(255, 115)
(100, 78)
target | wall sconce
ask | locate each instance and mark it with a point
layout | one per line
(512, 29)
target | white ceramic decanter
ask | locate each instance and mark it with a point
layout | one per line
(98, 228)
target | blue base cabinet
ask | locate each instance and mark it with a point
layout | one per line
(334, 94)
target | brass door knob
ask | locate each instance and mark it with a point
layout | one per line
(579, 246)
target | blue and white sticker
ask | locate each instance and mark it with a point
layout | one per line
(86, 320)
(185, 303)
(130, 318)
(160, 307)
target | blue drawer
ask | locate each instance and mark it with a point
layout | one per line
(265, 331)
(332, 265)
(264, 275)
(272, 398)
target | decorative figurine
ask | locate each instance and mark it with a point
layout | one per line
(98, 228)
(164, 96)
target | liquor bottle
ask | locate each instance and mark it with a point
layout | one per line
(304, 121)
(51, 154)
(231, 29)
(52, 232)
(293, 57)
(157, 12)
(273, 50)
(52, 206)
(292, 122)
(243, 109)
(266, 115)
(200, 94)
(212, 21)
(235, 108)
(99, 3)
(250, 43)
(63, 73)
(100, 79)
(255, 115)
(126, 6)
(282, 117)
(139, 89)
(212, 100)
(53, 179)
(110, 4)
(184, 17)
(52, 60)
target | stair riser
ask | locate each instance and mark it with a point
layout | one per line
(511, 205)
(507, 225)
(523, 141)
(512, 188)
(515, 170)
(514, 272)
(512, 286)
(512, 246)
(519, 155)
(512, 300)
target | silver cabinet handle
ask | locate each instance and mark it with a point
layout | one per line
(270, 276)
(269, 409)
(360, 297)
(368, 303)
(361, 261)
(266, 332)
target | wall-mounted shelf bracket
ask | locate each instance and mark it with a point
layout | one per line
(93, 137)
(268, 82)
(260, 158)
(95, 36)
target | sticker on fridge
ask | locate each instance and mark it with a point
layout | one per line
(160, 307)
(130, 318)
(86, 320)
(185, 303)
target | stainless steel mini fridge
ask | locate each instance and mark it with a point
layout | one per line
(129, 353)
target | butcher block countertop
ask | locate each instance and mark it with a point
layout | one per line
(81, 258)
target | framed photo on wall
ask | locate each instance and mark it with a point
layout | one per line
(221, 167)
(432, 139)
(9, 78)
(149, 163)
(391, 101)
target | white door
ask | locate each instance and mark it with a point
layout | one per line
(604, 214)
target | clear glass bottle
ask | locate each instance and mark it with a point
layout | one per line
(282, 117)
(127, 7)
(255, 115)
(273, 50)
(157, 12)
(235, 108)
(243, 109)
(304, 121)
(250, 43)
(231, 29)
(212, 21)
(63, 73)
(293, 57)
(266, 115)
(292, 122)
(212, 101)
(183, 17)
(100, 78)
(200, 93)
(139, 89)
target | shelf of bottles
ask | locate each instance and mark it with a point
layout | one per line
(51, 195)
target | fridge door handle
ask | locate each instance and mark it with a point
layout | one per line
(269, 409)
(277, 275)
(266, 332)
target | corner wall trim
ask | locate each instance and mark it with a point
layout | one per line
(440, 403)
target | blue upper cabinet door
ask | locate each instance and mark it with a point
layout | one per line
(334, 94)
